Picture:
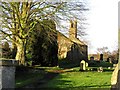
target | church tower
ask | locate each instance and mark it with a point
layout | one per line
(73, 29)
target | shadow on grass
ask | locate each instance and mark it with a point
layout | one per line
(64, 82)
(76, 88)
(44, 83)
(40, 81)
(67, 85)
(92, 87)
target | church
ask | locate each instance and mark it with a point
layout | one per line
(71, 48)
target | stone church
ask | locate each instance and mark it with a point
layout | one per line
(71, 48)
(62, 48)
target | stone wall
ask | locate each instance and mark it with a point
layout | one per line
(7, 77)
(70, 50)
(7, 73)
(64, 45)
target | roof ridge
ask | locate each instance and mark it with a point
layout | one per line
(75, 40)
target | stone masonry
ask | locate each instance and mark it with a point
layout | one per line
(71, 47)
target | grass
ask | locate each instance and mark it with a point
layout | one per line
(68, 78)
(76, 79)
(27, 78)
(24, 77)
(80, 79)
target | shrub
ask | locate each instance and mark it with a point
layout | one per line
(64, 63)
(94, 63)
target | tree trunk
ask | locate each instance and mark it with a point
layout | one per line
(14, 50)
(20, 56)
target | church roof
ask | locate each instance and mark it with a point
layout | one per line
(74, 40)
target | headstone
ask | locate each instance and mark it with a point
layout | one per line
(110, 60)
(82, 65)
(86, 64)
(100, 69)
(109, 67)
(7, 73)
(101, 57)
(91, 58)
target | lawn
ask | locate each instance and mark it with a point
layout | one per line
(80, 80)
(27, 78)
(74, 79)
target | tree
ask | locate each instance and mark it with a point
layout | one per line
(102, 50)
(20, 18)
(6, 52)
(42, 47)
(114, 56)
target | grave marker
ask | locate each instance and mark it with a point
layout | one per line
(82, 65)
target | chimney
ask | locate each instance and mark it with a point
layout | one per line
(73, 29)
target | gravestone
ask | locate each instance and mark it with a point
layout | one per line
(100, 69)
(7, 73)
(86, 64)
(91, 58)
(110, 60)
(101, 57)
(82, 65)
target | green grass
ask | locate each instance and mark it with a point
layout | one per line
(24, 77)
(27, 78)
(71, 78)
(80, 80)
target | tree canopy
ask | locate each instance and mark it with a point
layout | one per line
(20, 18)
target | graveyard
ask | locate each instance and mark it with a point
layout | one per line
(42, 46)
(65, 78)
(85, 74)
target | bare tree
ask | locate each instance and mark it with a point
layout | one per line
(102, 50)
(20, 18)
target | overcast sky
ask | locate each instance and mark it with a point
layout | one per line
(103, 28)
(103, 24)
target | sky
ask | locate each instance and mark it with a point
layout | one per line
(103, 25)
(102, 30)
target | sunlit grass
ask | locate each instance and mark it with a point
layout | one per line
(81, 80)
(66, 78)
